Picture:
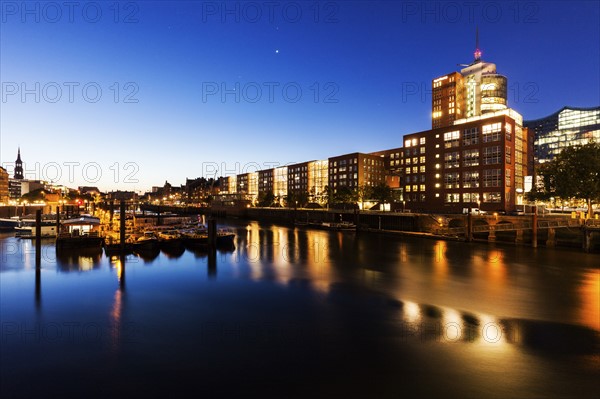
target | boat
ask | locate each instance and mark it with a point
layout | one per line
(148, 240)
(9, 224)
(336, 226)
(81, 232)
(169, 239)
(225, 237)
(48, 231)
(195, 237)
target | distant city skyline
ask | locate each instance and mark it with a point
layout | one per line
(130, 97)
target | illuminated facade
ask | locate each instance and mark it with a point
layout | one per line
(247, 184)
(266, 181)
(476, 90)
(478, 162)
(229, 185)
(4, 197)
(280, 182)
(355, 170)
(297, 179)
(565, 128)
(394, 169)
(318, 178)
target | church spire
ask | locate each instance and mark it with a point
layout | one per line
(477, 53)
(19, 166)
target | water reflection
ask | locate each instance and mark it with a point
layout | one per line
(148, 255)
(78, 259)
(173, 251)
(362, 299)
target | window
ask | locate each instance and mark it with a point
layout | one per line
(415, 169)
(470, 158)
(471, 136)
(422, 140)
(471, 197)
(421, 159)
(492, 197)
(452, 159)
(491, 132)
(471, 179)
(508, 131)
(452, 197)
(491, 178)
(491, 155)
(422, 169)
(507, 177)
(407, 189)
(422, 150)
(422, 187)
(407, 171)
(451, 139)
(507, 154)
(452, 180)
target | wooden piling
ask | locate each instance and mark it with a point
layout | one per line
(212, 234)
(469, 229)
(57, 220)
(38, 236)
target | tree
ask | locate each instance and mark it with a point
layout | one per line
(266, 198)
(363, 192)
(574, 173)
(382, 193)
(35, 195)
(345, 195)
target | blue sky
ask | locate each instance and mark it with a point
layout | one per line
(127, 95)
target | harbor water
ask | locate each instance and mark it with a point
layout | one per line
(295, 312)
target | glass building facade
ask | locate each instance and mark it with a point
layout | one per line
(565, 128)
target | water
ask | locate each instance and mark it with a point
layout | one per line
(302, 313)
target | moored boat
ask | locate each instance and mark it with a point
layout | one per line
(9, 224)
(80, 232)
(336, 226)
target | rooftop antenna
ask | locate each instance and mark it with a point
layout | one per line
(477, 51)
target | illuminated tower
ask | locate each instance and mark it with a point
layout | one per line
(19, 166)
(476, 90)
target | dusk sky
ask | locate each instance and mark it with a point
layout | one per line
(138, 87)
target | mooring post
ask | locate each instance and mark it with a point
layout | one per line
(534, 226)
(57, 220)
(469, 226)
(38, 237)
(38, 258)
(212, 234)
(122, 220)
